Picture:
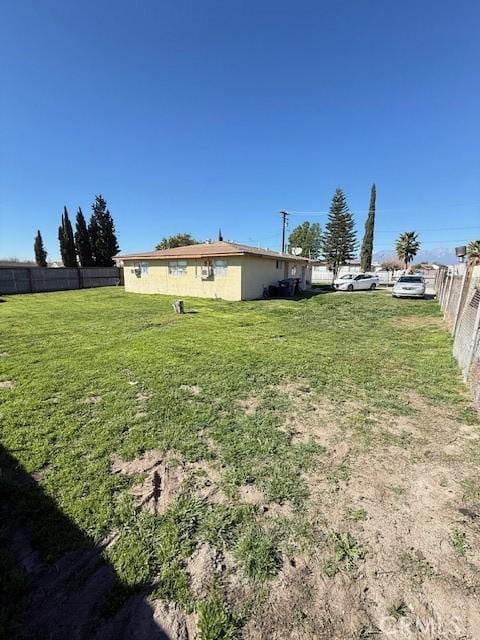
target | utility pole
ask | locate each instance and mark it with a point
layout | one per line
(284, 215)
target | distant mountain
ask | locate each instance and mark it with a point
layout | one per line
(442, 255)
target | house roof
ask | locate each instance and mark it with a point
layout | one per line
(209, 249)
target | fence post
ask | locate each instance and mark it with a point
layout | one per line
(445, 311)
(444, 287)
(30, 279)
(80, 277)
(459, 303)
(473, 342)
(440, 287)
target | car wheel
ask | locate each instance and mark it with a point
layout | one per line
(350, 287)
(373, 286)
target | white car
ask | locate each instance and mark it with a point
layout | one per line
(356, 282)
(409, 286)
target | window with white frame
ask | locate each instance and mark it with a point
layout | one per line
(279, 264)
(177, 267)
(143, 268)
(220, 268)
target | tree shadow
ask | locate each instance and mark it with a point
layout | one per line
(306, 294)
(56, 582)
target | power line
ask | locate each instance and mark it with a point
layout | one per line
(422, 242)
(432, 229)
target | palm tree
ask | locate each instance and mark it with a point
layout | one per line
(407, 247)
(473, 252)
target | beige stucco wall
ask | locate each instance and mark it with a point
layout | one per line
(258, 273)
(159, 280)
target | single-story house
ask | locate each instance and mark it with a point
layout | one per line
(221, 269)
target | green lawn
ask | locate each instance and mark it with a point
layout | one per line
(235, 395)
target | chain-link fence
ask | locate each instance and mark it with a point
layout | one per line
(459, 298)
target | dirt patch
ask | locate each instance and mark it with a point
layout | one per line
(275, 510)
(142, 396)
(207, 480)
(4, 354)
(399, 502)
(37, 476)
(193, 390)
(295, 390)
(54, 399)
(249, 405)
(163, 477)
(251, 494)
(93, 400)
(302, 605)
(417, 322)
(173, 621)
(7, 384)
(201, 567)
(146, 462)
(162, 482)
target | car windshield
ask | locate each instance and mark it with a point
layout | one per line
(411, 279)
(347, 276)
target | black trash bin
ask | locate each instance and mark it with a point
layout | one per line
(292, 286)
(283, 289)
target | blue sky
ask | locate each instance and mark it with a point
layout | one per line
(192, 115)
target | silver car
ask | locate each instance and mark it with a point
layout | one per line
(409, 286)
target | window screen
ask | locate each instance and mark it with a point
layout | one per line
(177, 267)
(220, 268)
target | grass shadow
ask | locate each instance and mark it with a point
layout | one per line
(56, 582)
(306, 295)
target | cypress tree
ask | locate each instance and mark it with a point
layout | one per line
(67, 242)
(40, 252)
(339, 239)
(82, 241)
(367, 244)
(103, 239)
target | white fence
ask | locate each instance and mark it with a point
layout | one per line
(322, 275)
(459, 297)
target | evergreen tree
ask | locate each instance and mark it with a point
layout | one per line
(67, 242)
(93, 234)
(308, 237)
(339, 239)
(367, 244)
(407, 247)
(40, 252)
(178, 240)
(82, 241)
(101, 230)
